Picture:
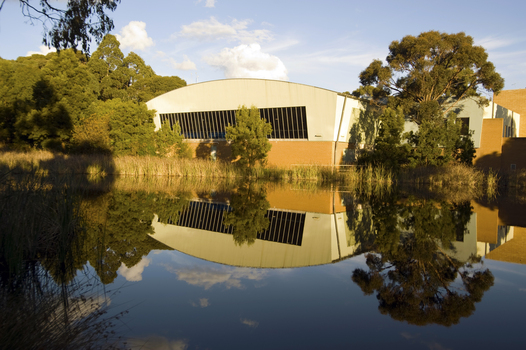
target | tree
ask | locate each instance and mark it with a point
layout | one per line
(43, 97)
(127, 78)
(131, 127)
(414, 278)
(388, 148)
(425, 73)
(107, 64)
(248, 217)
(151, 87)
(92, 135)
(249, 137)
(427, 76)
(170, 142)
(77, 24)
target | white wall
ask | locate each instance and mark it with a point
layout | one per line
(323, 107)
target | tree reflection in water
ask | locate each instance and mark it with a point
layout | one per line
(410, 270)
(119, 225)
(248, 216)
(48, 298)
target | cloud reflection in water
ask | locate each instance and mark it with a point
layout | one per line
(206, 277)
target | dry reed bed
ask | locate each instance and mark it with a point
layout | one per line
(99, 166)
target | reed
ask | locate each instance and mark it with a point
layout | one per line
(98, 167)
(492, 183)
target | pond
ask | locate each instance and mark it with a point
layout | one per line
(261, 266)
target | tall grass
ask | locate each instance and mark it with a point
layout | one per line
(96, 167)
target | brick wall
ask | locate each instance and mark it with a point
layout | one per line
(514, 100)
(490, 151)
(513, 152)
(316, 202)
(487, 223)
(282, 153)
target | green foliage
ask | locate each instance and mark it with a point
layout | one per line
(73, 26)
(72, 84)
(107, 65)
(248, 216)
(44, 97)
(170, 142)
(411, 272)
(48, 101)
(435, 143)
(150, 87)
(465, 149)
(427, 76)
(249, 137)
(388, 148)
(131, 127)
(429, 69)
(92, 135)
(127, 78)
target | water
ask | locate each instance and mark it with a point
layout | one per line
(285, 267)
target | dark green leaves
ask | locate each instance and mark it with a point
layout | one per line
(249, 137)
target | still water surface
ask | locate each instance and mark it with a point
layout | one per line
(285, 268)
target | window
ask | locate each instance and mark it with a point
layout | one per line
(464, 129)
(287, 122)
(284, 226)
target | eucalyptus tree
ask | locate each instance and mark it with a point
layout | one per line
(428, 76)
(411, 268)
(74, 25)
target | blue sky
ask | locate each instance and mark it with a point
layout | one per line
(322, 43)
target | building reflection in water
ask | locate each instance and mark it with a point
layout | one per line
(307, 229)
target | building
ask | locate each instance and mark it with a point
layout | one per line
(514, 100)
(496, 134)
(323, 227)
(317, 126)
(305, 229)
(310, 125)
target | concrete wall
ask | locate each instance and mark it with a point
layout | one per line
(329, 116)
(319, 245)
(324, 108)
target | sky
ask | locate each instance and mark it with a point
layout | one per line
(321, 43)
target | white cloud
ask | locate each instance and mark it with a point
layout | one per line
(492, 42)
(281, 45)
(156, 342)
(185, 65)
(134, 36)
(250, 323)
(134, 274)
(208, 3)
(212, 29)
(44, 50)
(203, 302)
(248, 61)
(207, 277)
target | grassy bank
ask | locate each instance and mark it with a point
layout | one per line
(98, 166)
